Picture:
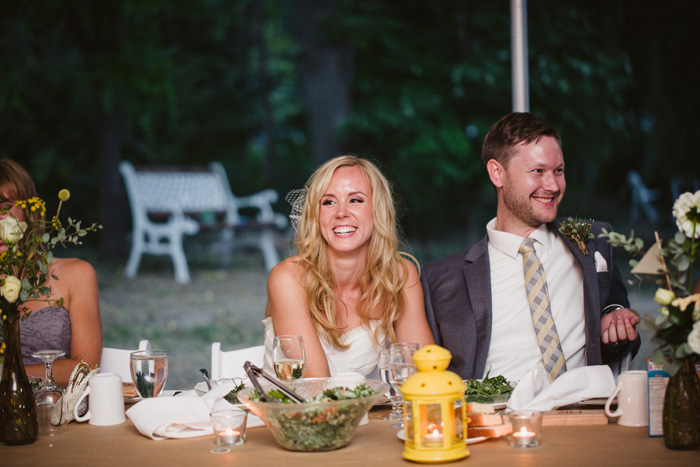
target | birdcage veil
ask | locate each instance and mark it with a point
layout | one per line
(296, 199)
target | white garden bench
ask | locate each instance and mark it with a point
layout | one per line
(167, 204)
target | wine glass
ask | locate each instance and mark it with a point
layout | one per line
(401, 366)
(288, 357)
(49, 397)
(384, 372)
(149, 371)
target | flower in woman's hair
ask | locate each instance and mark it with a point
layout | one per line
(664, 296)
(64, 195)
(12, 230)
(694, 338)
(11, 287)
(686, 210)
(578, 231)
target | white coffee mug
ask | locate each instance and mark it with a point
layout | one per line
(106, 403)
(632, 405)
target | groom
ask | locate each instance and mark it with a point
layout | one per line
(526, 296)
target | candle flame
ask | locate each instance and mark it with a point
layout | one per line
(230, 432)
(436, 432)
(523, 430)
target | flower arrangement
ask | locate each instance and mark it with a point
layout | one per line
(677, 326)
(24, 265)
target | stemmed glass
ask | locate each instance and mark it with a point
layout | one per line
(384, 373)
(149, 371)
(289, 358)
(401, 366)
(49, 397)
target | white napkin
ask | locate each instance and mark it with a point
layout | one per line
(534, 392)
(183, 416)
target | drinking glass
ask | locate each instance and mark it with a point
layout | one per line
(288, 357)
(49, 397)
(384, 372)
(401, 366)
(149, 371)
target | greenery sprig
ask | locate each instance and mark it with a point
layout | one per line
(578, 231)
(24, 266)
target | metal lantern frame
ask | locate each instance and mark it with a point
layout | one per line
(435, 412)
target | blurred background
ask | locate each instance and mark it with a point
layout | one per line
(272, 88)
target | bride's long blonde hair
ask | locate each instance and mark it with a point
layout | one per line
(385, 276)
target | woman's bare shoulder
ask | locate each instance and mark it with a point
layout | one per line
(288, 270)
(72, 267)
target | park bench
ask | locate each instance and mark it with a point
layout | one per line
(169, 203)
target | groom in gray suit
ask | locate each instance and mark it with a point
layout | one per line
(477, 302)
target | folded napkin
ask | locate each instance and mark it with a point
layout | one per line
(534, 392)
(183, 416)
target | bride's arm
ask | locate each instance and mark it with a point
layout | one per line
(286, 304)
(412, 325)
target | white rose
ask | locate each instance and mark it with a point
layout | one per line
(664, 296)
(681, 207)
(694, 338)
(11, 288)
(11, 230)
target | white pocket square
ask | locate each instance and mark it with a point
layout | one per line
(600, 264)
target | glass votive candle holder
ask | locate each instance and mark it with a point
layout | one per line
(229, 426)
(527, 428)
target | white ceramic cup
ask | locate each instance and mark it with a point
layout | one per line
(106, 403)
(632, 405)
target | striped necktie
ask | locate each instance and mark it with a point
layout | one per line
(538, 297)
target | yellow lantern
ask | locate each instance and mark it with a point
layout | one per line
(435, 413)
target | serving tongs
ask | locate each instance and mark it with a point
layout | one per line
(254, 372)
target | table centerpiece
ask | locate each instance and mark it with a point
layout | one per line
(677, 326)
(27, 240)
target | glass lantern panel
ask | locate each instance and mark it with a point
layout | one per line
(459, 419)
(432, 425)
(408, 423)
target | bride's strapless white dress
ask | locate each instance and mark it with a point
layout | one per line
(361, 356)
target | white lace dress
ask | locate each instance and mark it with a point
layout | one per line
(361, 357)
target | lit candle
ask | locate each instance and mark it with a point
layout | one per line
(229, 437)
(524, 437)
(434, 438)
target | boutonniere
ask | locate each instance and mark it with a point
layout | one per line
(578, 231)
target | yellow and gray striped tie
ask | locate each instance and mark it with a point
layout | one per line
(538, 297)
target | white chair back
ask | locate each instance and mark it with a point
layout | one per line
(230, 364)
(117, 360)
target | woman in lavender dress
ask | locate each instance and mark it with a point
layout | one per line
(75, 327)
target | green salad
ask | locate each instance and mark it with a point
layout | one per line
(488, 390)
(232, 396)
(318, 428)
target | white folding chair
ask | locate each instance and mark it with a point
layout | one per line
(117, 360)
(230, 364)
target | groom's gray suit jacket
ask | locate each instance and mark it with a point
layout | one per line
(457, 292)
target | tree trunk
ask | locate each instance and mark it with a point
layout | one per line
(111, 200)
(326, 78)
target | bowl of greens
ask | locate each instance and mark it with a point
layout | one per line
(326, 421)
(495, 390)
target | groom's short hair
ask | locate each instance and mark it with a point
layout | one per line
(511, 130)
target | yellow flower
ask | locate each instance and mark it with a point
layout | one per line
(64, 195)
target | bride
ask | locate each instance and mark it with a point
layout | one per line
(349, 290)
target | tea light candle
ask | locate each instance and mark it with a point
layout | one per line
(524, 437)
(433, 439)
(229, 437)
(527, 428)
